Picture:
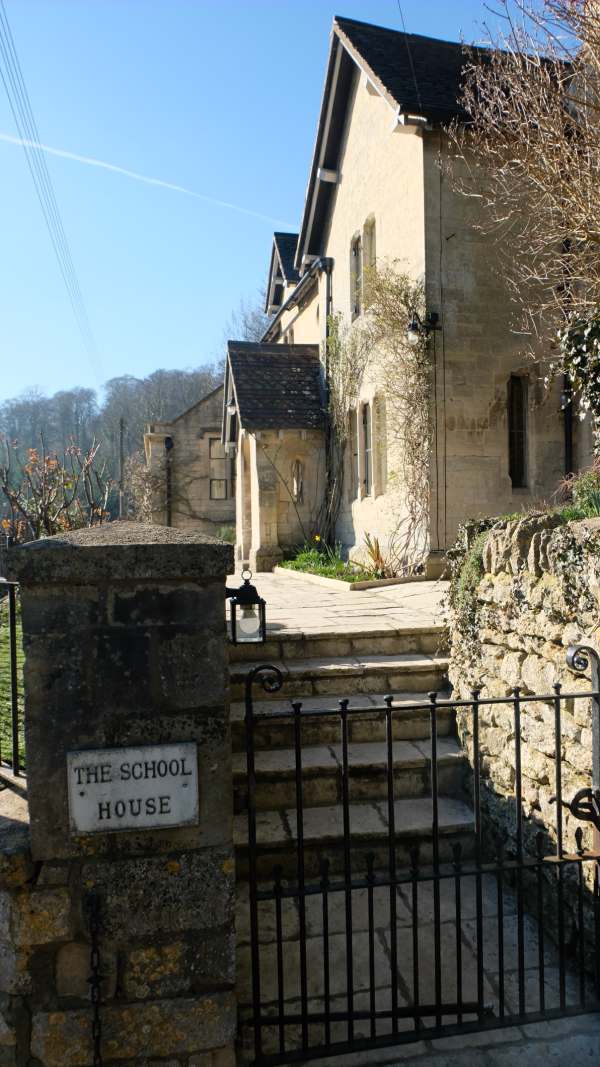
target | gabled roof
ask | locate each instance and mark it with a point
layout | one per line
(199, 403)
(282, 271)
(156, 426)
(286, 243)
(417, 76)
(422, 75)
(275, 386)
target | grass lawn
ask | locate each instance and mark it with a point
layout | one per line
(5, 688)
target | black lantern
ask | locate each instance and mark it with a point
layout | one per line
(417, 329)
(247, 613)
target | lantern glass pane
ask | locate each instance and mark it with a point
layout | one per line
(248, 624)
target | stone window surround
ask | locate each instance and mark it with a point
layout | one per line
(369, 243)
(362, 254)
(356, 446)
(220, 481)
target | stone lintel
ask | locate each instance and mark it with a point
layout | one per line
(119, 551)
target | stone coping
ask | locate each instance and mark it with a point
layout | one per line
(119, 551)
(349, 587)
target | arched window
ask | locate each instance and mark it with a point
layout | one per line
(356, 276)
(298, 481)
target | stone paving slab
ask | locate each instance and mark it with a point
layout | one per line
(295, 606)
(554, 1042)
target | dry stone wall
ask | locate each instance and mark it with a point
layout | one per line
(537, 594)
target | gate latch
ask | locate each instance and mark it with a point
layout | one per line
(585, 806)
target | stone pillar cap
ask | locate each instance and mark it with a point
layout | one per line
(119, 551)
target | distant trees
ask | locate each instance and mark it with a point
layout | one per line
(60, 454)
(75, 417)
(248, 321)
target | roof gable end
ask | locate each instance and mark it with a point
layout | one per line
(416, 75)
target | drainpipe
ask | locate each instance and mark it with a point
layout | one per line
(169, 479)
(567, 409)
(327, 265)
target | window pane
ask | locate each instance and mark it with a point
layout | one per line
(216, 448)
(218, 489)
(367, 447)
(353, 444)
(517, 431)
(356, 277)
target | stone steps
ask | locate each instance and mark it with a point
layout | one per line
(343, 642)
(409, 667)
(323, 835)
(367, 764)
(365, 723)
(345, 676)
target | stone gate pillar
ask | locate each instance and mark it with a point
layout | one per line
(130, 805)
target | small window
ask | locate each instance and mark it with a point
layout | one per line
(367, 449)
(369, 249)
(517, 431)
(288, 337)
(356, 277)
(219, 469)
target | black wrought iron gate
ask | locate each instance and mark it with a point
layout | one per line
(382, 937)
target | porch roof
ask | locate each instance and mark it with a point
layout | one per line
(275, 386)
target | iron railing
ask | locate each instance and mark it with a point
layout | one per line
(12, 756)
(479, 931)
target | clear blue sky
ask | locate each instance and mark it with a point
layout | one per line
(220, 96)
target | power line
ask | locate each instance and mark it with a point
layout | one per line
(410, 58)
(12, 78)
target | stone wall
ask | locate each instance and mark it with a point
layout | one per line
(537, 594)
(125, 646)
(196, 459)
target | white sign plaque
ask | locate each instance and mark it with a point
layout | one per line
(142, 788)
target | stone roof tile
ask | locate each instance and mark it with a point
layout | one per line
(277, 386)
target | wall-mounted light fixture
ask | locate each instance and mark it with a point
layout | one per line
(418, 329)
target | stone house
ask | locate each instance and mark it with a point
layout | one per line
(192, 479)
(377, 194)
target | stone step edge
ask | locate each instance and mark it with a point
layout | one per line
(333, 767)
(275, 636)
(401, 700)
(402, 663)
(404, 831)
